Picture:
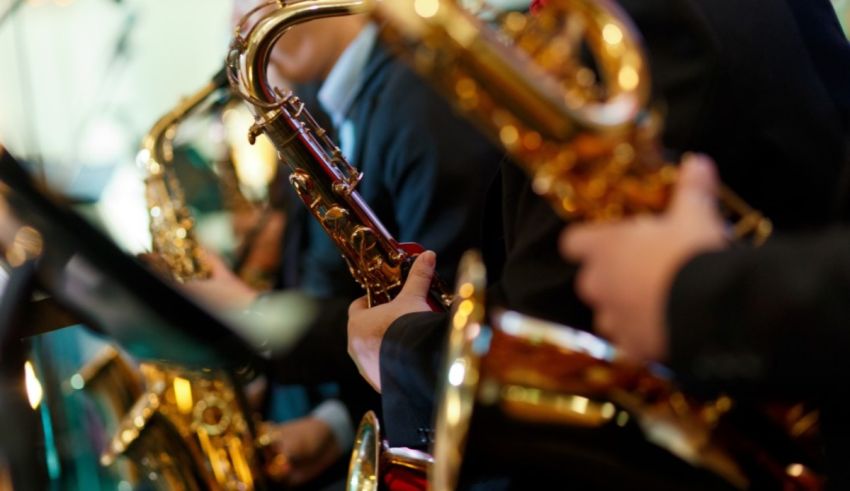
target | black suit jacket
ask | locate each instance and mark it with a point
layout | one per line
(426, 175)
(738, 81)
(772, 321)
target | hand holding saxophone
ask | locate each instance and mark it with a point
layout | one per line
(367, 326)
(628, 267)
(223, 289)
(300, 450)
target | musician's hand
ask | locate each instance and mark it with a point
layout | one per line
(366, 327)
(223, 289)
(263, 255)
(298, 451)
(628, 268)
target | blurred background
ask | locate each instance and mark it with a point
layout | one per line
(81, 83)
(83, 80)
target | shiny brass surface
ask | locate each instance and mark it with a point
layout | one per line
(324, 180)
(190, 430)
(374, 465)
(541, 373)
(171, 224)
(461, 375)
(198, 415)
(365, 457)
(586, 137)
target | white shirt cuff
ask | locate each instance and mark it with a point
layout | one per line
(335, 415)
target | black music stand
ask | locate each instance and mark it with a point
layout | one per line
(113, 292)
(94, 283)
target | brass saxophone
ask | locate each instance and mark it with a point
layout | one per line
(587, 141)
(171, 224)
(190, 429)
(174, 243)
(594, 154)
(324, 180)
(569, 400)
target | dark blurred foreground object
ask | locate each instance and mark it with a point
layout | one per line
(51, 248)
(22, 465)
(107, 289)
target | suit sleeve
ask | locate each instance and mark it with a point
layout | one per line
(774, 319)
(411, 359)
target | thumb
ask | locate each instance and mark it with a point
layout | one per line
(419, 278)
(696, 187)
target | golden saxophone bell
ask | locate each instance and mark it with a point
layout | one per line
(564, 398)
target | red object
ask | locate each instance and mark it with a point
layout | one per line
(536, 5)
(398, 478)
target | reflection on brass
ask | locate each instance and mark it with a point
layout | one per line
(171, 223)
(324, 180)
(5, 469)
(373, 464)
(18, 243)
(189, 429)
(537, 372)
(202, 410)
(363, 467)
(111, 379)
(585, 136)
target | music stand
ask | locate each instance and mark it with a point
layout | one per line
(112, 291)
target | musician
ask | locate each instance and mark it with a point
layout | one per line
(426, 173)
(747, 321)
(725, 79)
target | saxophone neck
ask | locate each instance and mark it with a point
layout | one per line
(156, 148)
(171, 224)
(250, 54)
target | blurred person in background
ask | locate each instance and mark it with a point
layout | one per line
(426, 173)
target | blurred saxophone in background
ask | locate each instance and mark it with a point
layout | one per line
(175, 244)
(171, 224)
(189, 429)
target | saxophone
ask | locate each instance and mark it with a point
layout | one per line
(171, 224)
(323, 179)
(593, 152)
(572, 404)
(587, 140)
(190, 429)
